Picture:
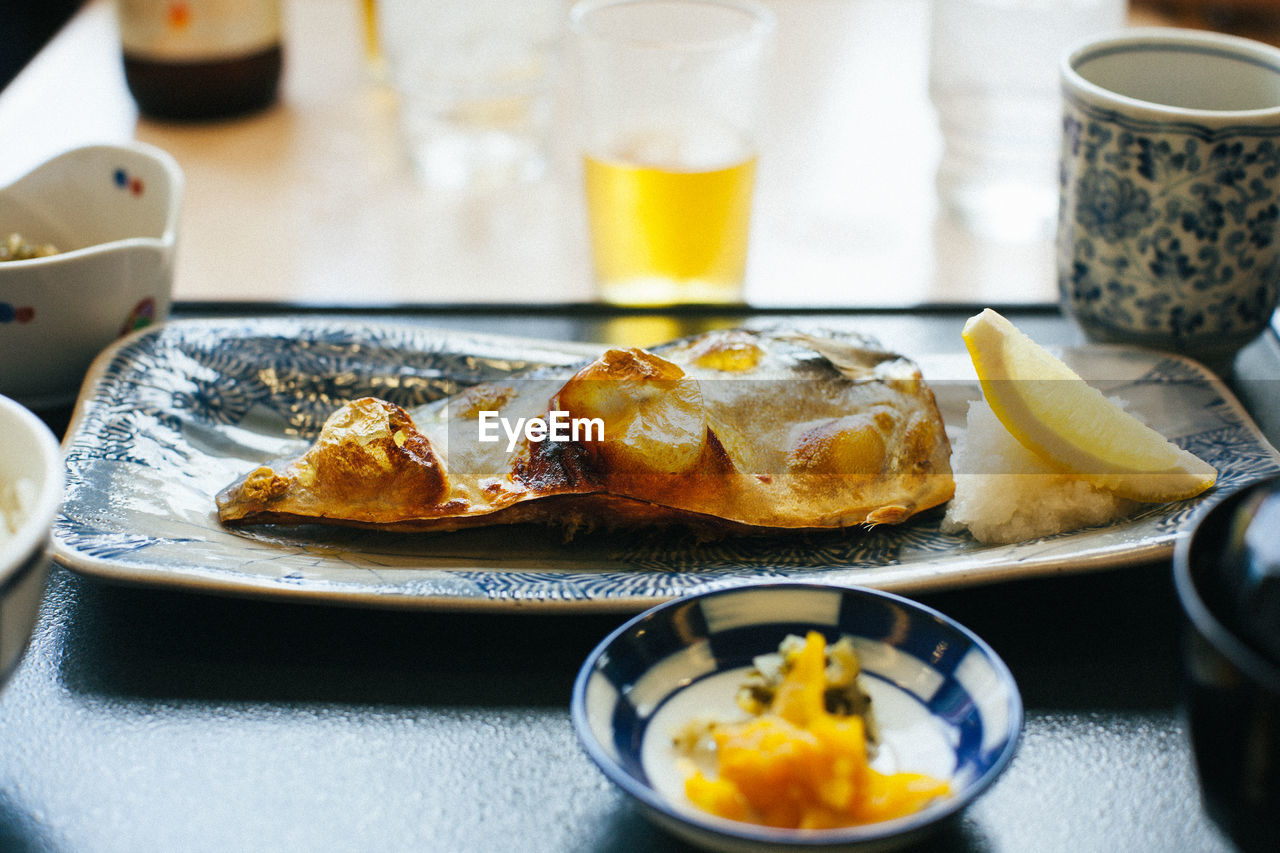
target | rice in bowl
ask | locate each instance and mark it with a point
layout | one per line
(14, 498)
(31, 483)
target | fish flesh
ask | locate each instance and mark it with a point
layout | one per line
(728, 432)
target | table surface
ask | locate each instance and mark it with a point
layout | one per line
(145, 719)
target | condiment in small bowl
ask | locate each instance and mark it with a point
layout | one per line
(31, 478)
(110, 215)
(944, 703)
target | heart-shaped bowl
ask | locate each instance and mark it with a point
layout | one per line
(111, 212)
(945, 704)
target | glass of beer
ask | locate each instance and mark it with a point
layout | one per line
(670, 95)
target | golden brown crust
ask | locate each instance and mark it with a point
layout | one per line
(730, 432)
(368, 462)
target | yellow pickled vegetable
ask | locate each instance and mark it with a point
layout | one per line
(799, 766)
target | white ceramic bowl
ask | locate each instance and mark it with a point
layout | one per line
(29, 453)
(945, 703)
(112, 212)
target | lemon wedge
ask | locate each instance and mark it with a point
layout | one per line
(1058, 416)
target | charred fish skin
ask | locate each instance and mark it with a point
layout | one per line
(737, 431)
(369, 458)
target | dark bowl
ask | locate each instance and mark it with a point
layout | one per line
(1231, 686)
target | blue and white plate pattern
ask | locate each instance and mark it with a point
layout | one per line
(1168, 233)
(945, 703)
(170, 415)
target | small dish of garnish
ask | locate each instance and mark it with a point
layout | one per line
(87, 243)
(781, 715)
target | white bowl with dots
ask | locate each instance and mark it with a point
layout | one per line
(111, 213)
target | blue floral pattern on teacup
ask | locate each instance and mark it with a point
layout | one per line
(1168, 235)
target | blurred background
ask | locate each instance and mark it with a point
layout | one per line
(28, 25)
(845, 194)
(31, 23)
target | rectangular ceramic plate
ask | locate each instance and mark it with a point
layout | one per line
(171, 415)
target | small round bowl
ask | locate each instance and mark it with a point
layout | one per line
(30, 456)
(945, 704)
(112, 213)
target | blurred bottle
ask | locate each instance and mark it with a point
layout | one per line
(373, 40)
(201, 59)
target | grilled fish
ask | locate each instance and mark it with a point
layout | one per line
(732, 431)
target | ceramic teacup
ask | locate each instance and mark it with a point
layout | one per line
(1169, 214)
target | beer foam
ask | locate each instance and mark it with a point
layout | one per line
(680, 147)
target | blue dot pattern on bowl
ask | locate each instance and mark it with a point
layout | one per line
(132, 184)
(644, 663)
(1168, 233)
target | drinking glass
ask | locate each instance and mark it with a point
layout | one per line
(993, 80)
(670, 102)
(475, 81)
